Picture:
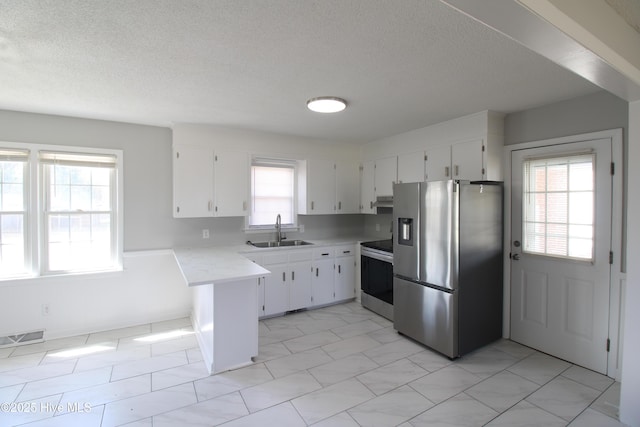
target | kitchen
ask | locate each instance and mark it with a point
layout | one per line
(149, 276)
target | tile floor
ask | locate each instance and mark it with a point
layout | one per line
(336, 366)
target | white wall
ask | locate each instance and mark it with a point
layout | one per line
(262, 143)
(630, 394)
(150, 288)
(585, 114)
(465, 128)
(266, 144)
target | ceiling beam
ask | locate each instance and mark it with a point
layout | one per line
(579, 37)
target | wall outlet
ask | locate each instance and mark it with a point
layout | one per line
(205, 233)
(377, 227)
(45, 309)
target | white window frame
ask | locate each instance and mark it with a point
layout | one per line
(527, 204)
(22, 155)
(275, 162)
(35, 228)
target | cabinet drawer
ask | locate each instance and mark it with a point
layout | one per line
(345, 250)
(303, 255)
(326, 252)
(276, 257)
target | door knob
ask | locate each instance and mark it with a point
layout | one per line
(515, 257)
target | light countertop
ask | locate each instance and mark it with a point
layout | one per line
(220, 264)
(208, 265)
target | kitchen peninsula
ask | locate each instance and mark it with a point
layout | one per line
(225, 316)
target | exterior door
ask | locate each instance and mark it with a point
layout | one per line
(560, 250)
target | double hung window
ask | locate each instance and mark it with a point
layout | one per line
(79, 217)
(272, 192)
(13, 211)
(60, 210)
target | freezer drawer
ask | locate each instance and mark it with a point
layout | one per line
(427, 315)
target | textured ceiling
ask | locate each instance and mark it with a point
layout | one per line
(401, 64)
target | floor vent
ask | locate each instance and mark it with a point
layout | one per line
(20, 339)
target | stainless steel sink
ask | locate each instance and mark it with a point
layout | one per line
(282, 244)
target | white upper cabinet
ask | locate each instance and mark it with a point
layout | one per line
(231, 171)
(192, 182)
(385, 175)
(347, 189)
(207, 184)
(466, 160)
(327, 187)
(317, 187)
(411, 167)
(367, 187)
(438, 163)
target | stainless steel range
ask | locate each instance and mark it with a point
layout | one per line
(377, 276)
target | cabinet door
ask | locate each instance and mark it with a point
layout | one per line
(231, 183)
(276, 290)
(192, 182)
(367, 188)
(299, 285)
(322, 281)
(321, 187)
(345, 278)
(385, 175)
(411, 167)
(466, 160)
(438, 163)
(347, 189)
(261, 282)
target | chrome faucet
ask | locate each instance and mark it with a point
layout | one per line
(278, 229)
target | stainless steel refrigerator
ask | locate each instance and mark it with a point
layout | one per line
(447, 264)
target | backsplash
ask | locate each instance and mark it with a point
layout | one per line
(378, 226)
(230, 231)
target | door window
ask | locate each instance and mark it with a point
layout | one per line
(558, 206)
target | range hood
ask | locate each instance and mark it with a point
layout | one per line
(384, 204)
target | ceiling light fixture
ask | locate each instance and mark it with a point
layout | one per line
(326, 104)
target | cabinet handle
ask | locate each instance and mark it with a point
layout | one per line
(339, 205)
(293, 275)
(346, 252)
(325, 254)
(209, 205)
(312, 205)
(244, 206)
(177, 209)
(456, 170)
(339, 271)
(371, 205)
(316, 272)
(283, 276)
(446, 171)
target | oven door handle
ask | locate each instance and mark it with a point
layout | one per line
(377, 256)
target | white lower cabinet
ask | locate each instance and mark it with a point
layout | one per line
(289, 285)
(305, 278)
(276, 290)
(322, 276)
(299, 285)
(345, 273)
